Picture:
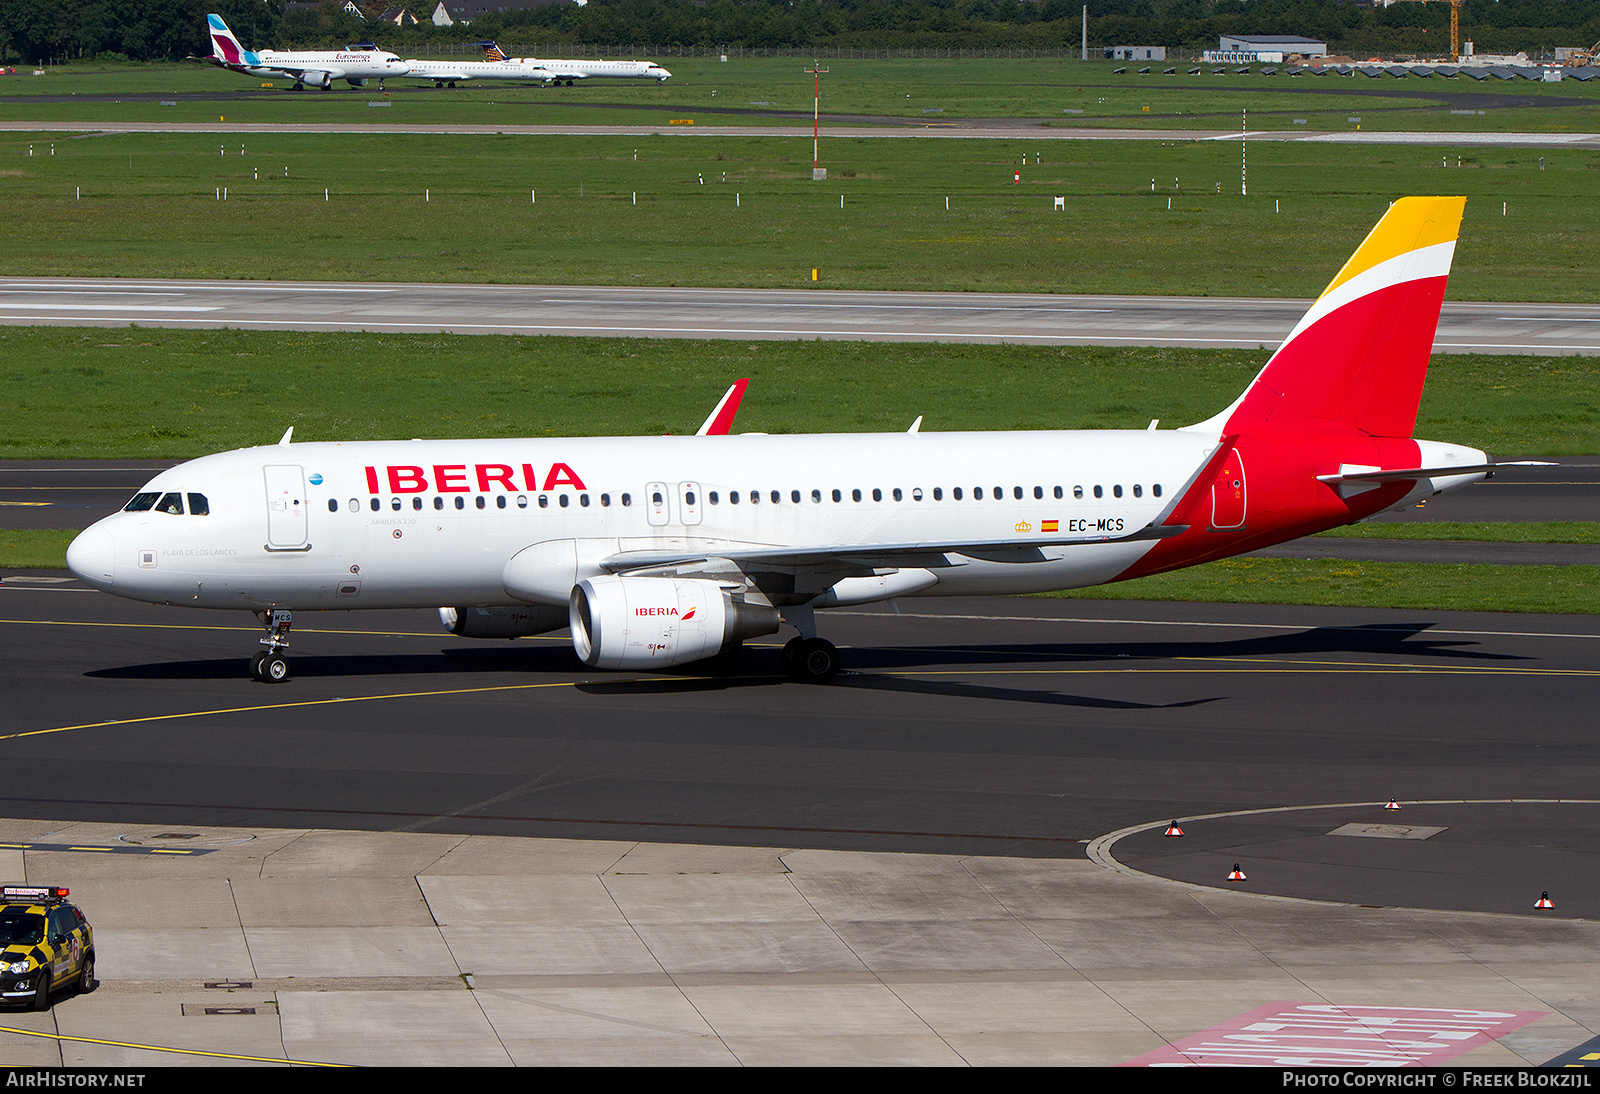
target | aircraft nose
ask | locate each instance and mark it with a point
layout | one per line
(91, 555)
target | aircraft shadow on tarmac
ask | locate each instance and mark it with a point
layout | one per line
(1376, 639)
(870, 667)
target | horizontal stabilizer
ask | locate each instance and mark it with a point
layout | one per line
(1378, 475)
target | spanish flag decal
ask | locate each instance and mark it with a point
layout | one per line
(1050, 526)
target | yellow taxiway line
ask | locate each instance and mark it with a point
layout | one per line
(164, 1048)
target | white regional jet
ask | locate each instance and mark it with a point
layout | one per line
(497, 67)
(658, 551)
(317, 68)
(562, 70)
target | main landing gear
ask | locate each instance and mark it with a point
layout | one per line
(270, 666)
(810, 660)
(807, 659)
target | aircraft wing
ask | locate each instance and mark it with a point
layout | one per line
(934, 553)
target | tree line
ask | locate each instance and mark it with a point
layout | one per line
(148, 30)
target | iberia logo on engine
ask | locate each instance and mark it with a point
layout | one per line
(688, 615)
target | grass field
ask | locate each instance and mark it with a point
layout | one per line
(1549, 531)
(756, 91)
(740, 211)
(88, 392)
(1418, 585)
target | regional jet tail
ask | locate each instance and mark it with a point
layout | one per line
(307, 68)
(659, 551)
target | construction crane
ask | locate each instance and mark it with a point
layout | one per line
(1455, 22)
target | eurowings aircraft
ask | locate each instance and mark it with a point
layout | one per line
(314, 68)
(497, 67)
(659, 551)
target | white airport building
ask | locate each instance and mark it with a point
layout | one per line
(1245, 49)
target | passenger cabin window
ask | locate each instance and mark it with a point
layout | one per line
(141, 502)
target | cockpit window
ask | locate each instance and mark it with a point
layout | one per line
(171, 503)
(141, 502)
(199, 506)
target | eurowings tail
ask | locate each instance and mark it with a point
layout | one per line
(1356, 362)
(225, 48)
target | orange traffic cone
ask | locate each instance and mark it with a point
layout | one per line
(1543, 901)
(1237, 875)
(1174, 830)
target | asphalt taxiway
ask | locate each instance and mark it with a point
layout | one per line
(427, 851)
(656, 312)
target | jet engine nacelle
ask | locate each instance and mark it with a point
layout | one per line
(500, 621)
(356, 81)
(317, 79)
(654, 622)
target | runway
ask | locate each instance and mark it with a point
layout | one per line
(974, 129)
(1031, 319)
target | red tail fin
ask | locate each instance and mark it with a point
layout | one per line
(1357, 360)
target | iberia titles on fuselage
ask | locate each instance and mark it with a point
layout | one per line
(662, 550)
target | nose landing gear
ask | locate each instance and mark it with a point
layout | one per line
(270, 666)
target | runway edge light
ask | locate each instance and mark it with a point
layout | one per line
(1392, 804)
(1544, 900)
(1174, 830)
(1237, 874)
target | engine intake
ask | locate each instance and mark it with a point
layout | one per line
(500, 621)
(654, 622)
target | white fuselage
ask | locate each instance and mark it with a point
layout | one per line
(427, 523)
(338, 64)
(563, 69)
(458, 71)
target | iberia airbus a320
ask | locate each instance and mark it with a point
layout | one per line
(658, 551)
